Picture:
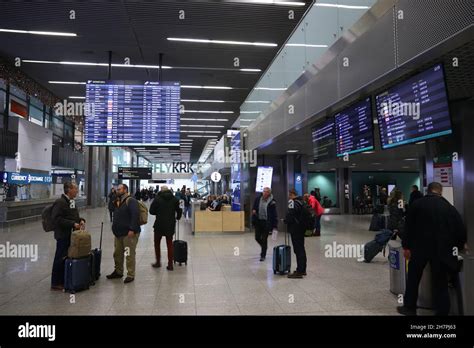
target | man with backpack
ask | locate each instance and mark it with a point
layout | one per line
(297, 219)
(64, 219)
(126, 229)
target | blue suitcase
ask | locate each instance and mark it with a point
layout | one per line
(282, 258)
(77, 274)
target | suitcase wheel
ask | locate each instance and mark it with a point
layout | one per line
(186, 263)
(274, 272)
(180, 263)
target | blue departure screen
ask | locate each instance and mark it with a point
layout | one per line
(132, 113)
(354, 129)
(324, 146)
(414, 110)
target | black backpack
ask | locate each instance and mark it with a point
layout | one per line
(307, 216)
(47, 218)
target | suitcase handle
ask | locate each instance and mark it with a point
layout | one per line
(101, 231)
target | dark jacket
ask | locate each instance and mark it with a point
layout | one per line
(187, 200)
(395, 219)
(272, 216)
(414, 196)
(433, 228)
(111, 203)
(125, 216)
(166, 208)
(64, 217)
(293, 217)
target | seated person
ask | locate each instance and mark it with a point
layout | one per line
(216, 205)
(209, 201)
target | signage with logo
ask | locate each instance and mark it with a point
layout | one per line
(175, 167)
(299, 183)
(264, 178)
(136, 173)
(216, 176)
(235, 174)
(27, 178)
(394, 259)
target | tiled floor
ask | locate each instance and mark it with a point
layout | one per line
(216, 281)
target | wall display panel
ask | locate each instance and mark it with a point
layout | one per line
(354, 130)
(132, 113)
(414, 110)
(324, 144)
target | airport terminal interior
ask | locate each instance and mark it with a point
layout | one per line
(343, 112)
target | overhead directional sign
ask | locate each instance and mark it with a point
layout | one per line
(134, 173)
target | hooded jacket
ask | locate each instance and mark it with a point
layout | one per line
(272, 216)
(166, 208)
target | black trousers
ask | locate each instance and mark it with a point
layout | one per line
(439, 274)
(261, 236)
(62, 246)
(297, 238)
(111, 213)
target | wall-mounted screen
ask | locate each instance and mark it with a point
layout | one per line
(414, 110)
(264, 178)
(354, 131)
(324, 145)
(132, 113)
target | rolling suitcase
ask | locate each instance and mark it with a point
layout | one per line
(282, 258)
(180, 249)
(77, 274)
(371, 249)
(96, 258)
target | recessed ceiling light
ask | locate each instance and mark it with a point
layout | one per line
(420, 142)
(349, 7)
(202, 101)
(310, 162)
(281, 3)
(207, 112)
(258, 101)
(292, 151)
(206, 87)
(251, 70)
(367, 152)
(271, 88)
(305, 45)
(76, 97)
(250, 112)
(223, 42)
(411, 159)
(35, 32)
(67, 82)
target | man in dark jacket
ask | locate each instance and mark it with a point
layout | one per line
(111, 203)
(296, 229)
(414, 195)
(66, 219)
(434, 233)
(126, 230)
(167, 210)
(264, 219)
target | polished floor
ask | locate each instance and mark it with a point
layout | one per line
(223, 277)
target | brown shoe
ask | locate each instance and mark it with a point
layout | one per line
(57, 288)
(128, 280)
(170, 267)
(156, 265)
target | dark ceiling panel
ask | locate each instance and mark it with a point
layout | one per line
(138, 30)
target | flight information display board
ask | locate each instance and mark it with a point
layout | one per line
(132, 113)
(264, 178)
(324, 145)
(354, 131)
(414, 110)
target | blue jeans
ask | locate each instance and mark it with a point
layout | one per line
(187, 212)
(317, 223)
(62, 246)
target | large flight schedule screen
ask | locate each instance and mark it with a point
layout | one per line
(354, 129)
(324, 146)
(414, 110)
(132, 113)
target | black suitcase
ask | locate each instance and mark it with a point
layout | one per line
(180, 249)
(77, 274)
(371, 249)
(96, 258)
(282, 258)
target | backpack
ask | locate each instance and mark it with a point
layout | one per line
(307, 216)
(142, 212)
(47, 218)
